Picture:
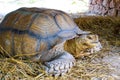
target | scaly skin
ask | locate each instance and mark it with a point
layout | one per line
(58, 61)
(83, 45)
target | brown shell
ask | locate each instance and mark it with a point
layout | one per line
(34, 30)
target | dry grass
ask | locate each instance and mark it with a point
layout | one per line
(87, 68)
(106, 27)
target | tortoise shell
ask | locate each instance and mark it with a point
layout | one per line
(35, 30)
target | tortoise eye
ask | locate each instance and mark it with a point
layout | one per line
(85, 44)
(89, 37)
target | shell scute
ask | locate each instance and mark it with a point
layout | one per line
(44, 26)
(29, 44)
(6, 41)
(64, 22)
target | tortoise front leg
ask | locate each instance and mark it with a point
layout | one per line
(57, 60)
(60, 64)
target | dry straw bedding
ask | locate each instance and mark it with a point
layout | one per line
(108, 28)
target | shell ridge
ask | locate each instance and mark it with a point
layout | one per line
(32, 34)
(32, 20)
(57, 22)
(13, 45)
(38, 45)
(64, 18)
(48, 41)
(16, 19)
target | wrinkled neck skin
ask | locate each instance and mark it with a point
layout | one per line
(50, 54)
(77, 46)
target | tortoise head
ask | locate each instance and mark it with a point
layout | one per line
(89, 40)
(82, 44)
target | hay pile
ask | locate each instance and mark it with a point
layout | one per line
(106, 27)
(87, 68)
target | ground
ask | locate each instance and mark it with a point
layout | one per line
(103, 65)
(113, 61)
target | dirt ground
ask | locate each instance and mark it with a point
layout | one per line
(112, 58)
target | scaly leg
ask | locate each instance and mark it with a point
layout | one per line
(57, 60)
(60, 65)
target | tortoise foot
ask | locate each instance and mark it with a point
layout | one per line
(60, 65)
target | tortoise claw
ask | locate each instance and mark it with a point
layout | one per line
(60, 66)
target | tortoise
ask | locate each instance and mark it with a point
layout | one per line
(40, 34)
